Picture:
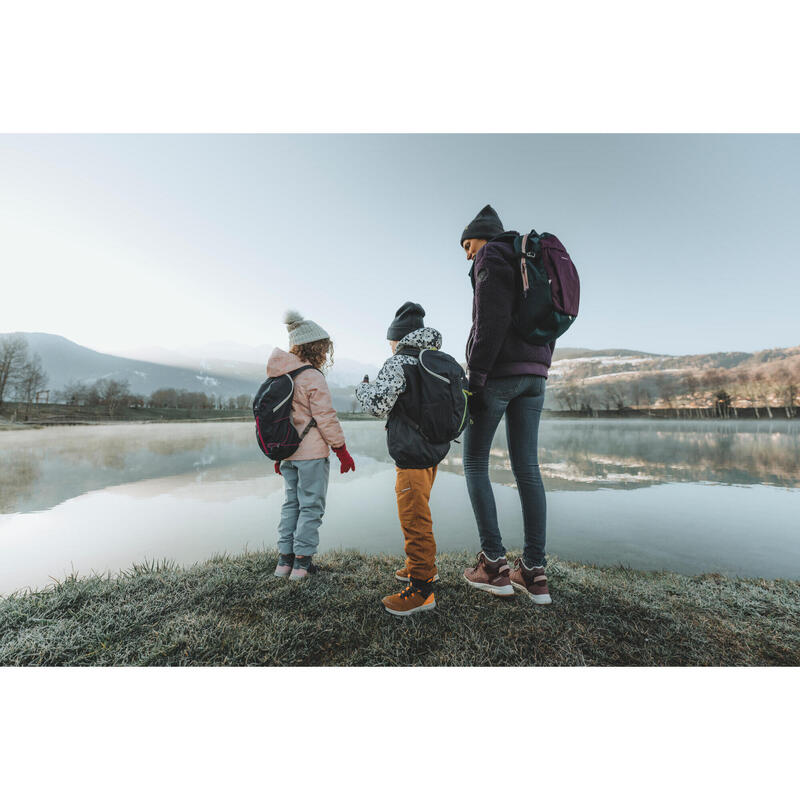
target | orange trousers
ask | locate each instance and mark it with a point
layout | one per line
(413, 489)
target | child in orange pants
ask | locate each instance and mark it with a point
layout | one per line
(393, 395)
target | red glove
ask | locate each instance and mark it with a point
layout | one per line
(278, 467)
(345, 458)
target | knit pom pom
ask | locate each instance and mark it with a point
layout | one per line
(292, 317)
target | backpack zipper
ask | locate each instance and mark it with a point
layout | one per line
(291, 392)
(435, 374)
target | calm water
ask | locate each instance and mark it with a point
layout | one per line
(686, 496)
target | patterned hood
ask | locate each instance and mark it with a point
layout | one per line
(422, 337)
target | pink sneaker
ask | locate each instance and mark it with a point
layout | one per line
(531, 581)
(284, 565)
(300, 571)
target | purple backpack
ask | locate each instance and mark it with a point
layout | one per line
(549, 286)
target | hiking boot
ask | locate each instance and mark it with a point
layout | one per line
(409, 601)
(402, 575)
(531, 581)
(491, 576)
(303, 567)
(284, 567)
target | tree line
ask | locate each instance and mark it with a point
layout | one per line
(722, 390)
(114, 394)
(22, 377)
(21, 373)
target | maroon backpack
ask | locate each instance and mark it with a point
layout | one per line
(550, 289)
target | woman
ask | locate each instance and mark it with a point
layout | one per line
(506, 378)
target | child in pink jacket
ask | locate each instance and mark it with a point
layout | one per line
(306, 471)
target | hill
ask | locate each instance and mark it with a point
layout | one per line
(65, 361)
(581, 379)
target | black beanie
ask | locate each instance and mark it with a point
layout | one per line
(486, 225)
(408, 318)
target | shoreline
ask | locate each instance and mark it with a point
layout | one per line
(686, 415)
(231, 610)
(93, 420)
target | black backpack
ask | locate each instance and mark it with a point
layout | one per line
(550, 288)
(272, 407)
(439, 410)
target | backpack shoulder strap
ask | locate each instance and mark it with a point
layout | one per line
(301, 369)
(292, 375)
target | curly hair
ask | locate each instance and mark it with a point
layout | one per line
(319, 354)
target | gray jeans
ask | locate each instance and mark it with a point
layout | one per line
(301, 515)
(520, 398)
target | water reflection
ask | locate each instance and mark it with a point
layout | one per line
(41, 468)
(711, 497)
(577, 455)
(633, 453)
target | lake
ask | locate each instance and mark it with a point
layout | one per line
(688, 496)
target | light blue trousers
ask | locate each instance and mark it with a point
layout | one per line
(301, 515)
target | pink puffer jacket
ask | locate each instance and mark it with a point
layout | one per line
(312, 398)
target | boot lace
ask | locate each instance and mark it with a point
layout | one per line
(408, 591)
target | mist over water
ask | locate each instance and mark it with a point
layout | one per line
(686, 496)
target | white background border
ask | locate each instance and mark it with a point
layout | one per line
(366, 67)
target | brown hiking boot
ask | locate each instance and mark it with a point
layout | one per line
(491, 576)
(531, 581)
(402, 575)
(409, 601)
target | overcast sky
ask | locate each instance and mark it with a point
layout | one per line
(684, 244)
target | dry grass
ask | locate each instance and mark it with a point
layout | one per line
(232, 611)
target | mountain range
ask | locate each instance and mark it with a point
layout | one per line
(230, 369)
(202, 369)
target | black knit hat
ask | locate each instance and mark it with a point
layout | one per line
(408, 318)
(486, 225)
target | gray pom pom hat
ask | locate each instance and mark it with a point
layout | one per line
(303, 331)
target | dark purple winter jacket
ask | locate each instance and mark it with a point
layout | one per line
(494, 348)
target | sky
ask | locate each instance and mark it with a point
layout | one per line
(684, 243)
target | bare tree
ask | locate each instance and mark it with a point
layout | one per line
(712, 378)
(164, 398)
(30, 379)
(762, 391)
(750, 387)
(666, 390)
(615, 396)
(13, 357)
(722, 403)
(785, 389)
(586, 398)
(691, 385)
(74, 393)
(640, 396)
(568, 395)
(111, 393)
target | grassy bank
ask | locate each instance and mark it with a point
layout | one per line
(231, 611)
